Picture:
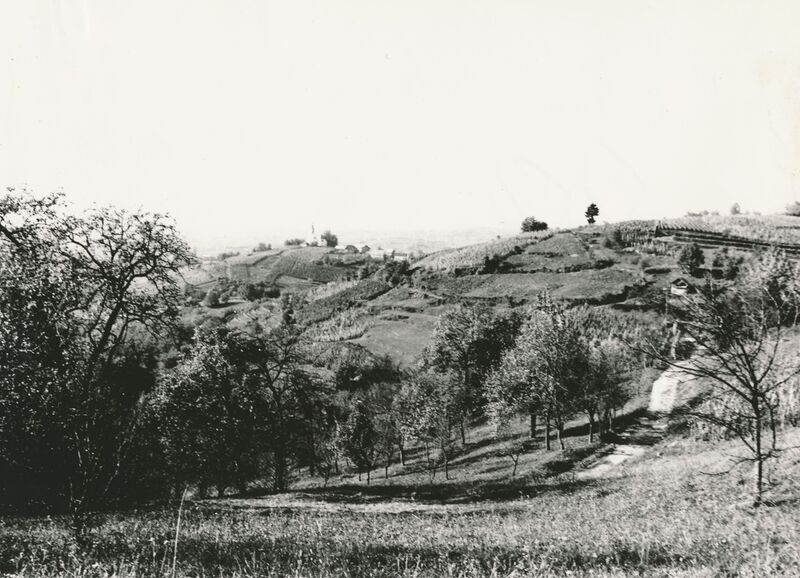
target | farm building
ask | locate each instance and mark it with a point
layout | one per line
(680, 286)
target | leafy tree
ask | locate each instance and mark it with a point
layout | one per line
(543, 372)
(329, 239)
(116, 274)
(741, 337)
(427, 409)
(691, 258)
(728, 264)
(294, 242)
(591, 212)
(395, 272)
(209, 416)
(736, 209)
(261, 247)
(531, 224)
(468, 340)
(360, 437)
(274, 364)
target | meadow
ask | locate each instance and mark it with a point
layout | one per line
(658, 516)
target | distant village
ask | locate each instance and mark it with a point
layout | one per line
(314, 239)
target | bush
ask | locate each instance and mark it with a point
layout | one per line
(212, 298)
(691, 258)
(294, 242)
(530, 224)
(793, 210)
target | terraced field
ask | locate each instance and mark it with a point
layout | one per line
(590, 286)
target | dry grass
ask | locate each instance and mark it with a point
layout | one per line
(662, 518)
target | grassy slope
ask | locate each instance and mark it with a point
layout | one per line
(662, 517)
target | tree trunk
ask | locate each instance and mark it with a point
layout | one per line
(533, 426)
(547, 431)
(402, 453)
(463, 433)
(591, 427)
(446, 465)
(369, 471)
(560, 429)
(427, 454)
(759, 455)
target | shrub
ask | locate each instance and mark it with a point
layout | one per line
(793, 210)
(294, 242)
(691, 258)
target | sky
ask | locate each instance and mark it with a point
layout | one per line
(249, 120)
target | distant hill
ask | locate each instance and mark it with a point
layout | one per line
(626, 265)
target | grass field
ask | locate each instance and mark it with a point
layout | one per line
(661, 517)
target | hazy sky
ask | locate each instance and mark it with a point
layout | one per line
(248, 119)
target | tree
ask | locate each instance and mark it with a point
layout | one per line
(530, 224)
(117, 274)
(209, 416)
(591, 212)
(329, 238)
(468, 341)
(212, 298)
(274, 364)
(543, 372)
(736, 209)
(740, 333)
(294, 242)
(427, 409)
(793, 209)
(261, 247)
(360, 438)
(691, 258)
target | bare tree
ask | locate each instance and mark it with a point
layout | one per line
(740, 336)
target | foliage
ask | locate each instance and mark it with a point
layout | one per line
(591, 212)
(209, 416)
(691, 258)
(531, 224)
(293, 242)
(468, 341)
(793, 209)
(113, 276)
(329, 239)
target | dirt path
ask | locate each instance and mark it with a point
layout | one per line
(645, 432)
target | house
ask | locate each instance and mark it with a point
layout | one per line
(680, 286)
(378, 254)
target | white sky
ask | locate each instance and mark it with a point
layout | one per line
(249, 119)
